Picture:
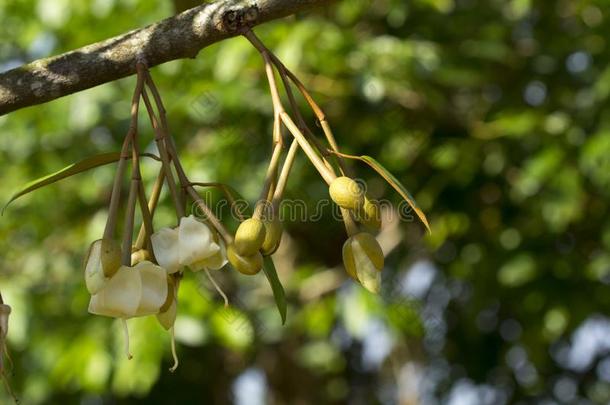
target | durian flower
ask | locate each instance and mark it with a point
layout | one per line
(133, 291)
(363, 260)
(191, 244)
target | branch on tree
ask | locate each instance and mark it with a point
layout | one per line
(181, 36)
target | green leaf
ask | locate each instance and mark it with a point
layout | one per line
(75, 168)
(276, 286)
(393, 181)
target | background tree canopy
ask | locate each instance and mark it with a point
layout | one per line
(494, 115)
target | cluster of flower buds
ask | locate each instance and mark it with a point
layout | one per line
(362, 255)
(128, 278)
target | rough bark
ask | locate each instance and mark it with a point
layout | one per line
(180, 36)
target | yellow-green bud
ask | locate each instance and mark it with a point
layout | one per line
(139, 255)
(370, 215)
(245, 264)
(346, 193)
(363, 260)
(110, 254)
(249, 236)
(273, 236)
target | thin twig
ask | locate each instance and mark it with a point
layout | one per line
(283, 177)
(152, 205)
(225, 191)
(184, 182)
(326, 173)
(165, 161)
(116, 187)
(319, 113)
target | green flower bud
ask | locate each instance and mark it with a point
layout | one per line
(346, 193)
(363, 260)
(139, 255)
(273, 236)
(249, 236)
(245, 264)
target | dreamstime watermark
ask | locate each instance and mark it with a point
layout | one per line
(297, 210)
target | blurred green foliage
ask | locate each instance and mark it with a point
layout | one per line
(492, 113)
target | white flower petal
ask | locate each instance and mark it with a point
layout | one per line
(94, 274)
(219, 259)
(166, 249)
(367, 273)
(154, 288)
(120, 296)
(195, 240)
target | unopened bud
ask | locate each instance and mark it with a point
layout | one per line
(249, 236)
(139, 255)
(245, 264)
(346, 193)
(363, 260)
(273, 236)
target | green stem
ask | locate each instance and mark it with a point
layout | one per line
(173, 154)
(165, 160)
(210, 217)
(152, 205)
(350, 225)
(129, 216)
(116, 186)
(324, 171)
(283, 178)
(146, 216)
(319, 113)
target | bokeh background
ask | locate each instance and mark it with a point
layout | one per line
(495, 116)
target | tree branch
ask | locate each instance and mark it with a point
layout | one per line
(181, 36)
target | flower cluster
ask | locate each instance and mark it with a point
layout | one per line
(138, 278)
(129, 277)
(141, 278)
(144, 288)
